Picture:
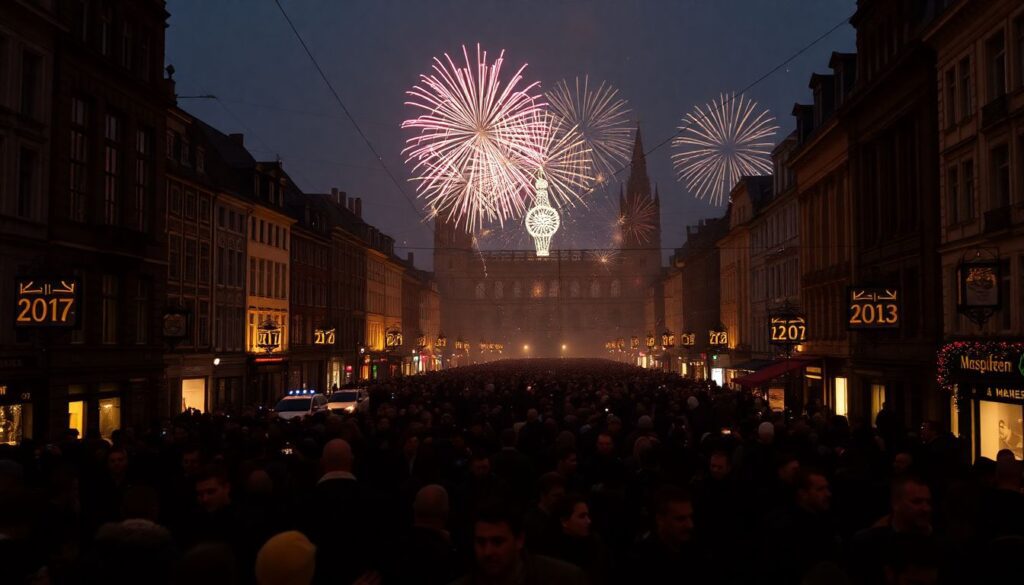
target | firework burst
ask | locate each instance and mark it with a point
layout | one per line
(601, 118)
(472, 129)
(637, 220)
(726, 139)
(559, 152)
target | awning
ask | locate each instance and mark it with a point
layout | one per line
(772, 371)
(752, 365)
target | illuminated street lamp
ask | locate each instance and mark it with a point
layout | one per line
(441, 341)
(634, 343)
(650, 341)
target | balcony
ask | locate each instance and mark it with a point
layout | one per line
(995, 111)
(998, 219)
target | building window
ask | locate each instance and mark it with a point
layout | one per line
(79, 157)
(615, 289)
(204, 209)
(967, 191)
(553, 288)
(127, 45)
(595, 289)
(995, 49)
(252, 276)
(221, 265)
(28, 179)
(174, 197)
(190, 204)
(966, 105)
(190, 261)
(174, 257)
(109, 308)
(204, 262)
(106, 30)
(1000, 156)
(952, 196)
(950, 96)
(200, 160)
(111, 170)
(142, 313)
(203, 322)
(499, 290)
(517, 289)
(481, 290)
(31, 77)
(143, 175)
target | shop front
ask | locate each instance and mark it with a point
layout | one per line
(267, 379)
(16, 413)
(986, 382)
(781, 382)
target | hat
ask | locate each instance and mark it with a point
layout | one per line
(288, 558)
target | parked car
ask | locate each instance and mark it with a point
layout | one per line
(349, 400)
(300, 403)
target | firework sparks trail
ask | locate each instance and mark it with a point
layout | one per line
(472, 129)
(728, 138)
(560, 153)
(601, 118)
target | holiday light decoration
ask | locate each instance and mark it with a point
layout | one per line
(542, 220)
(473, 132)
(720, 142)
(601, 118)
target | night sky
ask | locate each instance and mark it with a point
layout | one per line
(664, 56)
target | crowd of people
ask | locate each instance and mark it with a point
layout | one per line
(515, 472)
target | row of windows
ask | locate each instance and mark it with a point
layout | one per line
(123, 205)
(268, 233)
(309, 292)
(130, 44)
(228, 328)
(194, 205)
(230, 267)
(124, 315)
(539, 290)
(776, 229)
(188, 260)
(267, 278)
(1003, 68)
(962, 204)
(230, 220)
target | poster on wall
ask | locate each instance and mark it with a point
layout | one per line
(777, 399)
(1001, 427)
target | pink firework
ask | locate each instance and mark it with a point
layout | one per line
(473, 132)
(558, 149)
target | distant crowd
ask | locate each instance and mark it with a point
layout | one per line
(515, 472)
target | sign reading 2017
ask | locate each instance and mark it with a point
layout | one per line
(873, 308)
(47, 303)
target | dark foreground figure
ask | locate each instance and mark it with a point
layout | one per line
(517, 472)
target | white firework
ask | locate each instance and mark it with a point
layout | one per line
(601, 118)
(557, 151)
(721, 142)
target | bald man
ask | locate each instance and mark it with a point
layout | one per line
(336, 518)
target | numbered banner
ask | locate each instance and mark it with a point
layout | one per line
(47, 303)
(873, 308)
(687, 339)
(787, 329)
(323, 337)
(718, 338)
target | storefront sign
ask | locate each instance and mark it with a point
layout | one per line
(873, 308)
(687, 339)
(787, 329)
(323, 336)
(47, 303)
(978, 285)
(718, 338)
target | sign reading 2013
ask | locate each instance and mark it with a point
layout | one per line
(47, 303)
(787, 329)
(873, 308)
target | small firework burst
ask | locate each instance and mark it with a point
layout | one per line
(720, 142)
(638, 220)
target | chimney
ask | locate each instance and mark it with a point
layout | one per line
(351, 205)
(409, 259)
(238, 139)
(359, 207)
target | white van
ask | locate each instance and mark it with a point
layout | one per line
(349, 400)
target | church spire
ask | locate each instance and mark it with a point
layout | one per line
(638, 185)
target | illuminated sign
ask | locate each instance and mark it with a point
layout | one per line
(873, 308)
(787, 329)
(688, 339)
(978, 285)
(323, 336)
(47, 303)
(718, 338)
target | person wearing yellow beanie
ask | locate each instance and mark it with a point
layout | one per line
(288, 558)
